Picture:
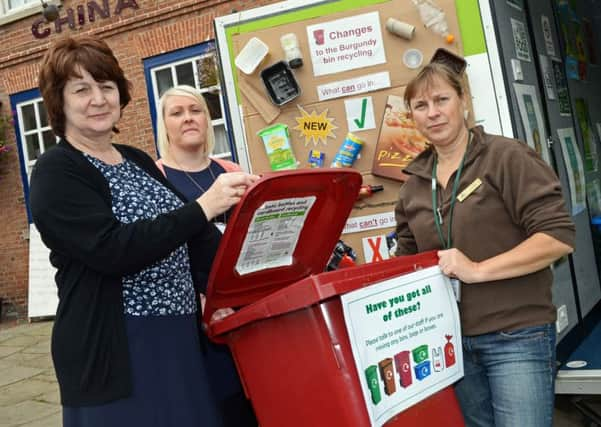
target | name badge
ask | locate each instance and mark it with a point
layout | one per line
(469, 190)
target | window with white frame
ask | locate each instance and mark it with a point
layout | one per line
(8, 7)
(34, 129)
(199, 71)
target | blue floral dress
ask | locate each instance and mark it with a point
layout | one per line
(170, 384)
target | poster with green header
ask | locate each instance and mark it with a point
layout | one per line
(574, 168)
(532, 119)
(588, 139)
(405, 336)
(593, 195)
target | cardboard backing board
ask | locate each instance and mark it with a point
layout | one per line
(335, 110)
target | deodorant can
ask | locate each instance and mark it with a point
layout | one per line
(348, 152)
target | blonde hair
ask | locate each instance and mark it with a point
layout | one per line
(190, 92)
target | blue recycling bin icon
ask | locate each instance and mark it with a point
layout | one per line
(422, 370)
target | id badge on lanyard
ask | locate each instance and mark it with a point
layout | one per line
(437, 211)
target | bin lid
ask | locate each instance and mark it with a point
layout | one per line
(284, 229)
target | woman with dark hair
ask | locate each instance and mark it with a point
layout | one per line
(128, 250)
(494, 210)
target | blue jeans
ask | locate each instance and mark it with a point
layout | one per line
(509, 378)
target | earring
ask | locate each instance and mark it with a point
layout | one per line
(466, 114)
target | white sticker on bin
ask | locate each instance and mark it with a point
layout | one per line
(273, 234)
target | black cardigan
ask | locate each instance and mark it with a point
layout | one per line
(70, 203)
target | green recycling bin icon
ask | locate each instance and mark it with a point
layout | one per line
(420, 353)
(371, 374)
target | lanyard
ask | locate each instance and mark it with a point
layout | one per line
(446, 244)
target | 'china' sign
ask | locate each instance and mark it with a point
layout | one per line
(79, 16)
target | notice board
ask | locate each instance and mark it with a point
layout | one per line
(352, 77)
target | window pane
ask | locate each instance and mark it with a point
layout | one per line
(212, 99)
(49, 139)
(221, 143)
(164, 80)
(185, 74)
(43, 115)
(13, 4)
(207, 71)
(28, 117)
(33, 146)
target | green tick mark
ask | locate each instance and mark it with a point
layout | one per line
(360, 123)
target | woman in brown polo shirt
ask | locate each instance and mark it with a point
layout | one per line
(495, 211)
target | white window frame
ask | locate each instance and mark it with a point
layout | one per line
(39, 130)
(12, 14)
(216, 123)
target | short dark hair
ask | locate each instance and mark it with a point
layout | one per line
(426, 77)
(59, 65)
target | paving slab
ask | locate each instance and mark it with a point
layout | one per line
(15, 374)
(26, 412)
(54, 420)
(22, 341)
(30, 389)
(6, 350)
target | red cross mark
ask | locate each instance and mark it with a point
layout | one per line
(375, 247)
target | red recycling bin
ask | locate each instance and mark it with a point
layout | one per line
(289, 338)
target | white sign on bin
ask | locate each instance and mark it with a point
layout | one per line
(405, 336)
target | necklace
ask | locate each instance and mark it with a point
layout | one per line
(219, 219)
(193, 181)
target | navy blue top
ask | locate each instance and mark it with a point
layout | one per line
(203, 178)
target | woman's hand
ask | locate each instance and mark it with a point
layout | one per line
(455, 264)
(221, 314)
(226, 191)
(535, 253)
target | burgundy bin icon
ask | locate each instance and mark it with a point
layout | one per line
(403, 367)
(319, 37)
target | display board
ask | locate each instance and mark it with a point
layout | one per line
(352, 78)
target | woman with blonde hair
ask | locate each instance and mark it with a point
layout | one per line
(186, 140)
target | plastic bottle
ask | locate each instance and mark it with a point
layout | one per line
(434, 19)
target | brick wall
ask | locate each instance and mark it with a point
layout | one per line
(155, 27)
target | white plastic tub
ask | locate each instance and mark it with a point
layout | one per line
(251, 55)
